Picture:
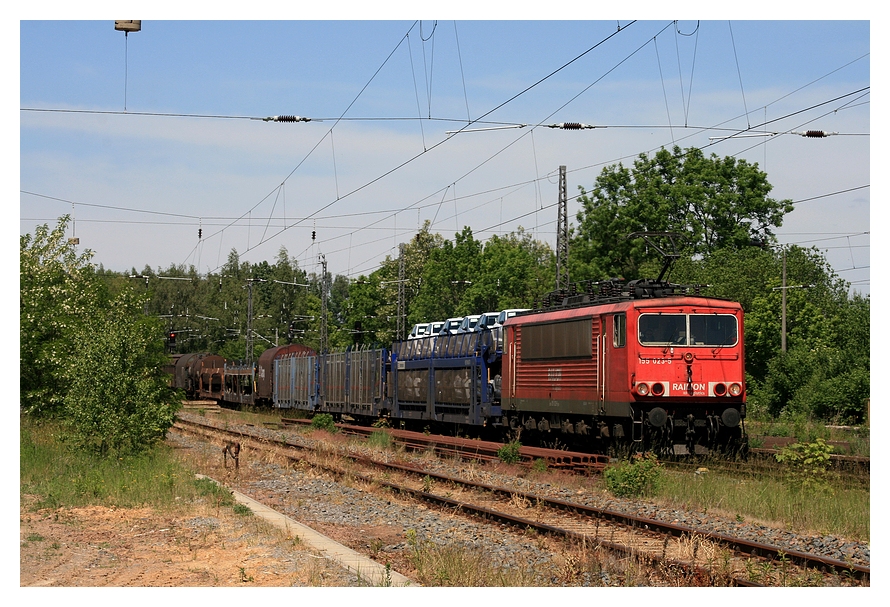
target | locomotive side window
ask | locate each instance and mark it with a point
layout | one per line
(619, 330)
(561, 339)
(688, 329)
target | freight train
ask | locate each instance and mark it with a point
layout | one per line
(607, 366)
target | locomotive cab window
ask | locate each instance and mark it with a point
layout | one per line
(708, 330)
(714, 329)
(619, 330)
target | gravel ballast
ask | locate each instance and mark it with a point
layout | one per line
(383, 525)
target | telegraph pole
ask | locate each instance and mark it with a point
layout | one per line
(784, 290)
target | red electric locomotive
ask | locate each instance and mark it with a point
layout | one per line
(650, 366)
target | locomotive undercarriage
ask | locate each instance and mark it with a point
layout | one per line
(653, 430)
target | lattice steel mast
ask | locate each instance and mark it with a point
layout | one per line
(400, 321)
(562, 235)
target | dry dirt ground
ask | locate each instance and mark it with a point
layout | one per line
(202, 545)
(102, 547)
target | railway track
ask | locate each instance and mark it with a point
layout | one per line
(841, 463)
(761, 460)
(583, 463)
(661, 545)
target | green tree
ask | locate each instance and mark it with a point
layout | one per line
(340, 334)
(58, 289)
(824, 374)
(118, 400)
(513, 271)
(362, 311)
(447, 279)
(824, 377)
(712, 203)
(416, 255)
(753, 277)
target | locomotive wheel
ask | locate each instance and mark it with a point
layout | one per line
(666, 440)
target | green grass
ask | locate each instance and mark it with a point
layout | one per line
(858, 438)
(57, 476)
(242, 510)
(842, 511)
(380, 439)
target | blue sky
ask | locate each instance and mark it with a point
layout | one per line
(149, 137)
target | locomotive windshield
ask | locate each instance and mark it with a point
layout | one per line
(688, 330)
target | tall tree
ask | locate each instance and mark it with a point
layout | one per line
(513, 272)
(363, 316)
(447, 278)
(712, 203)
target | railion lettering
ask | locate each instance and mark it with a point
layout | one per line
(687, 387)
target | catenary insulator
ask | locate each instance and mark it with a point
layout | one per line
(286, 119)
(814, 134)
(571, 126)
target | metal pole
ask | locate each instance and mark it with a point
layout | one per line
(400, 321)
(323, 330)
(248, 355)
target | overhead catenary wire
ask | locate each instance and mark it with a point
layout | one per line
(663, 89)
(686, 103)
(411, 159)
(462, 78)
(456, 198)
(739, 71)
(416, 96)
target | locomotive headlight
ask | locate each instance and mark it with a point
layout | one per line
(642, 389)
(719, 389)
(657, 389)
(735, 389)
(688, 357)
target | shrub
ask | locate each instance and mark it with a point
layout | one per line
(58, 293)
(324, 421)
(118, 400)
(642, 476)
(808, 463)
(509, 453)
